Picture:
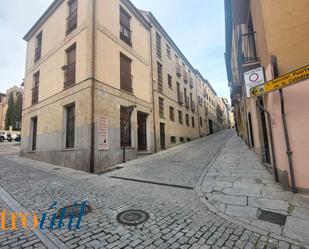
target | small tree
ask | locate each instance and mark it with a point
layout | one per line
(16, 116)
(9, 112)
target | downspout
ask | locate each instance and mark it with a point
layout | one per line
(198, 112)
(152, 89)
(271, 140)
(287, 141)
(93, 72)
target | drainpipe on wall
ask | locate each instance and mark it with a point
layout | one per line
(153, 102)
(287, 141)
(271, 140)
(93, 72)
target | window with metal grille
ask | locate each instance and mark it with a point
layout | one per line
(170, 81)
(187, 120)
(160, 77)
(72, 18)
(70, 68)
(181, 139)
(180, 119)
(125, 29)
(70, 126)
(38, 48)
(125, 73)
(158, 45)
(172, 113)
(125, 126)
(35, 88)
(193, 122)
(173, 139)
(161, 107)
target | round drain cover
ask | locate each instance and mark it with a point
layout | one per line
(74, 210)
(132, 217)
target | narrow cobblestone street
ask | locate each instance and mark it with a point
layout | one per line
(188, 191)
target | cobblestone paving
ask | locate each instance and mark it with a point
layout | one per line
(238, 185)
(177, 218)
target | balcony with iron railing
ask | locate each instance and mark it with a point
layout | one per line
(126, 82)
(185, 76)
(193, 106)
(35, 94)
(125, 34)
(71, 22)
(178, 69)
(191, 82)
(187, 102)
(246, 50)
(37, 54)
(70, 71)
(180, 97)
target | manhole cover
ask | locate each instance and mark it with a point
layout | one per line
(132, 217)
(74, 210)
(272, 217)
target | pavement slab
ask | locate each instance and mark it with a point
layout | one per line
(252, 182)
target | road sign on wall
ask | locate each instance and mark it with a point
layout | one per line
(102, 123)
(253, 78)
(280, 82)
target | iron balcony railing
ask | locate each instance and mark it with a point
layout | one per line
(35, 94)
(178, 69)
(125, 34)
(70, 75)
(185, 76)
(180, 97)
(246, 51)
(191, 82)
(71, 22)
(192, 106)
(187, 102)
(37, 54)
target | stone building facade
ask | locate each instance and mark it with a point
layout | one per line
(92, 97)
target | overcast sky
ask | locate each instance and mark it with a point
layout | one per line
(196, 26)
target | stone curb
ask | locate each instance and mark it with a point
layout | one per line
(214, 210)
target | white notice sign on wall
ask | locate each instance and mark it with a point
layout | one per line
(253, 78)
(102, 132)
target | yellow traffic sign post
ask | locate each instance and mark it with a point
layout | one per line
(281, 82)
(277, 84)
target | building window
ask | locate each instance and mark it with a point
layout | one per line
(125, 30)
(169, 81)
(35, 89)
(173, 139)
(70, 68)
(187, 120)
(161, 107)
(158, 45)
(172, 113)
(181, 139)
(125, 126)
(70, 126)
(38, 48)
(34, 127)
(160, 77)
(180, 117)
(72, 18)
(201, 121)
(168, 51)
(188, 139)
(125, 73)
(193, 122)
